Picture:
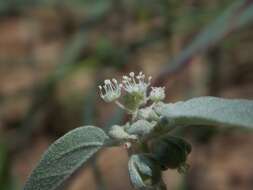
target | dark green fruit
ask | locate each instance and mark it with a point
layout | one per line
(170, 152)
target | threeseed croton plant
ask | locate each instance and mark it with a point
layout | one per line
(146, 136)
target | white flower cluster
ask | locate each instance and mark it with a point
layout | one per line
(112, 90)
(134, 85)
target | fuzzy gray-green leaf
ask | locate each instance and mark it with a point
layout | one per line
(209, 111)
(141, 127)
(144, 173)
(65, 156)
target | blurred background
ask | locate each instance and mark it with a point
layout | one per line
(53, 55)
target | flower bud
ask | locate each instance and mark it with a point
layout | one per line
(157, 94)
(117, 132)
(141, 127)
(148, 114)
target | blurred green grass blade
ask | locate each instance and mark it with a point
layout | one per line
(246, 17)
(45, 90)
(66, 64)
(89, 106)
(71, 53)
(89, 7)
(236, 16)
(3, 159)
(6, 181)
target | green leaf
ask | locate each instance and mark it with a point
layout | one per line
(65, 156)
(209, 111)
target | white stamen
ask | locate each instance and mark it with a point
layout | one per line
(112, 90)
(131, 85)
(107, 81)
(131, 74)
(125, 77)
(114, 80)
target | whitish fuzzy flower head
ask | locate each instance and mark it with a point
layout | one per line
(136, 83)
(110, 91)
(157, 94)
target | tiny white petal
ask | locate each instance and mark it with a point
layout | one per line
(131, 74)
(107, 81)
(125, 77)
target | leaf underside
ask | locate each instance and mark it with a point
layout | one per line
(65, 156)
(138, 168)
(210, 111)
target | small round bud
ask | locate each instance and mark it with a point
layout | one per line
(141, 127)
(157, 94)
(148, 114)
(118, 132)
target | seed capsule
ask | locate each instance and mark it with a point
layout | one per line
(170, 152)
